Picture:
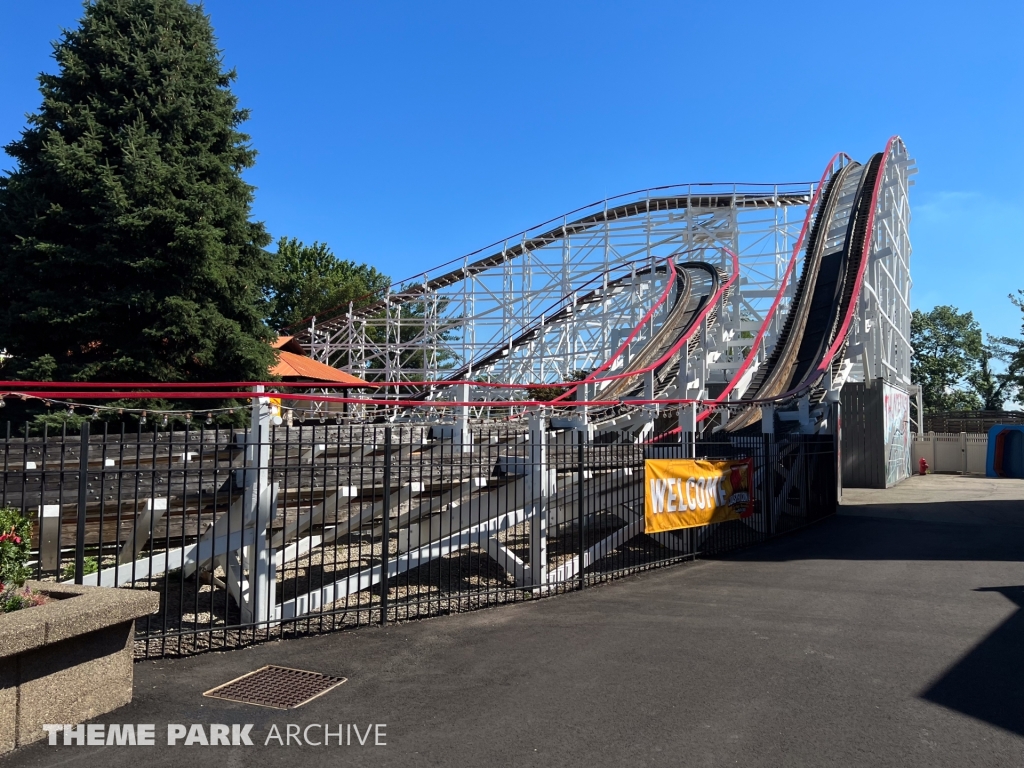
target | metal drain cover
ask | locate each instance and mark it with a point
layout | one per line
(278, 687)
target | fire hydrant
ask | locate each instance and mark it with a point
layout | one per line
(922, 466)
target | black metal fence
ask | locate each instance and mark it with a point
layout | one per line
(255, 534)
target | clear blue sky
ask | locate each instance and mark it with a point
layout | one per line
(404, 134)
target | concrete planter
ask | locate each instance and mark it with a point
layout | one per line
(67, 661)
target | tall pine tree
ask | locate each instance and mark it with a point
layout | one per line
(126, 247)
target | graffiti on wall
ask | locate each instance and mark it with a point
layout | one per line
(898, 437)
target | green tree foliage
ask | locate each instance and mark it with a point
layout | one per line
(309, 280)
(947, 347)
(550, 393)
(1010, 351)
(992, 387)
(126, 248)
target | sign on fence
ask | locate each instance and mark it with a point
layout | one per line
(687, 493)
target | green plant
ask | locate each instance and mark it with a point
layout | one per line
(14, 599)
(89, 565)
(15, 541)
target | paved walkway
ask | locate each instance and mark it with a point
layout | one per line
(890, 640)
(967, 499)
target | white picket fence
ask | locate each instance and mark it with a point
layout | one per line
(952, 451)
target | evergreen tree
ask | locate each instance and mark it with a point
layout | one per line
(126, 249)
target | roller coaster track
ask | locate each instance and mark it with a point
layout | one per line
(814, 335)
(510, 312)
(818, 316)
(553, 235)
(683, 286)
(807, 323)
(695, 286)
(478, 491)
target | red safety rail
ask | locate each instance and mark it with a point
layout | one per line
(397, 286)
(212, 390)
(844, 329)
(83, 390)
(851, 310)
(249, 394)
(787, 275)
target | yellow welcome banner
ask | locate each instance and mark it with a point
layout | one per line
(687, 493)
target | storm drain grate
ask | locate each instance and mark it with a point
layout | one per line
(278, 687)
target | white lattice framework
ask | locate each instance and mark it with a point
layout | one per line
(592, 276)
(880, 337)
(562, 296)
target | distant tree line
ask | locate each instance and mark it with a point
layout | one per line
(960, 370)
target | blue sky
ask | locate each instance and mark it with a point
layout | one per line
(405, 134)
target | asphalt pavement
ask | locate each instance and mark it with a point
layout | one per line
(883, 636)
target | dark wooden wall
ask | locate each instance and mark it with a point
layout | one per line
(863, 439)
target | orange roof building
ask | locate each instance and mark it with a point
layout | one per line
(293, 365)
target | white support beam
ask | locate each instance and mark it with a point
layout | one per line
(145, 524)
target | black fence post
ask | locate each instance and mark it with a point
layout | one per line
(767, 489)
(805, 489)
(580, 478)
(386, 529)
(836, 417)
(83, 497)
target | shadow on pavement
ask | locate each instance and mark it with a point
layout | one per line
(843, 537)
(988, 683)
(1004, 512)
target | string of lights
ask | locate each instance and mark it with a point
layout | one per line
(162, 415)
(665, 406)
